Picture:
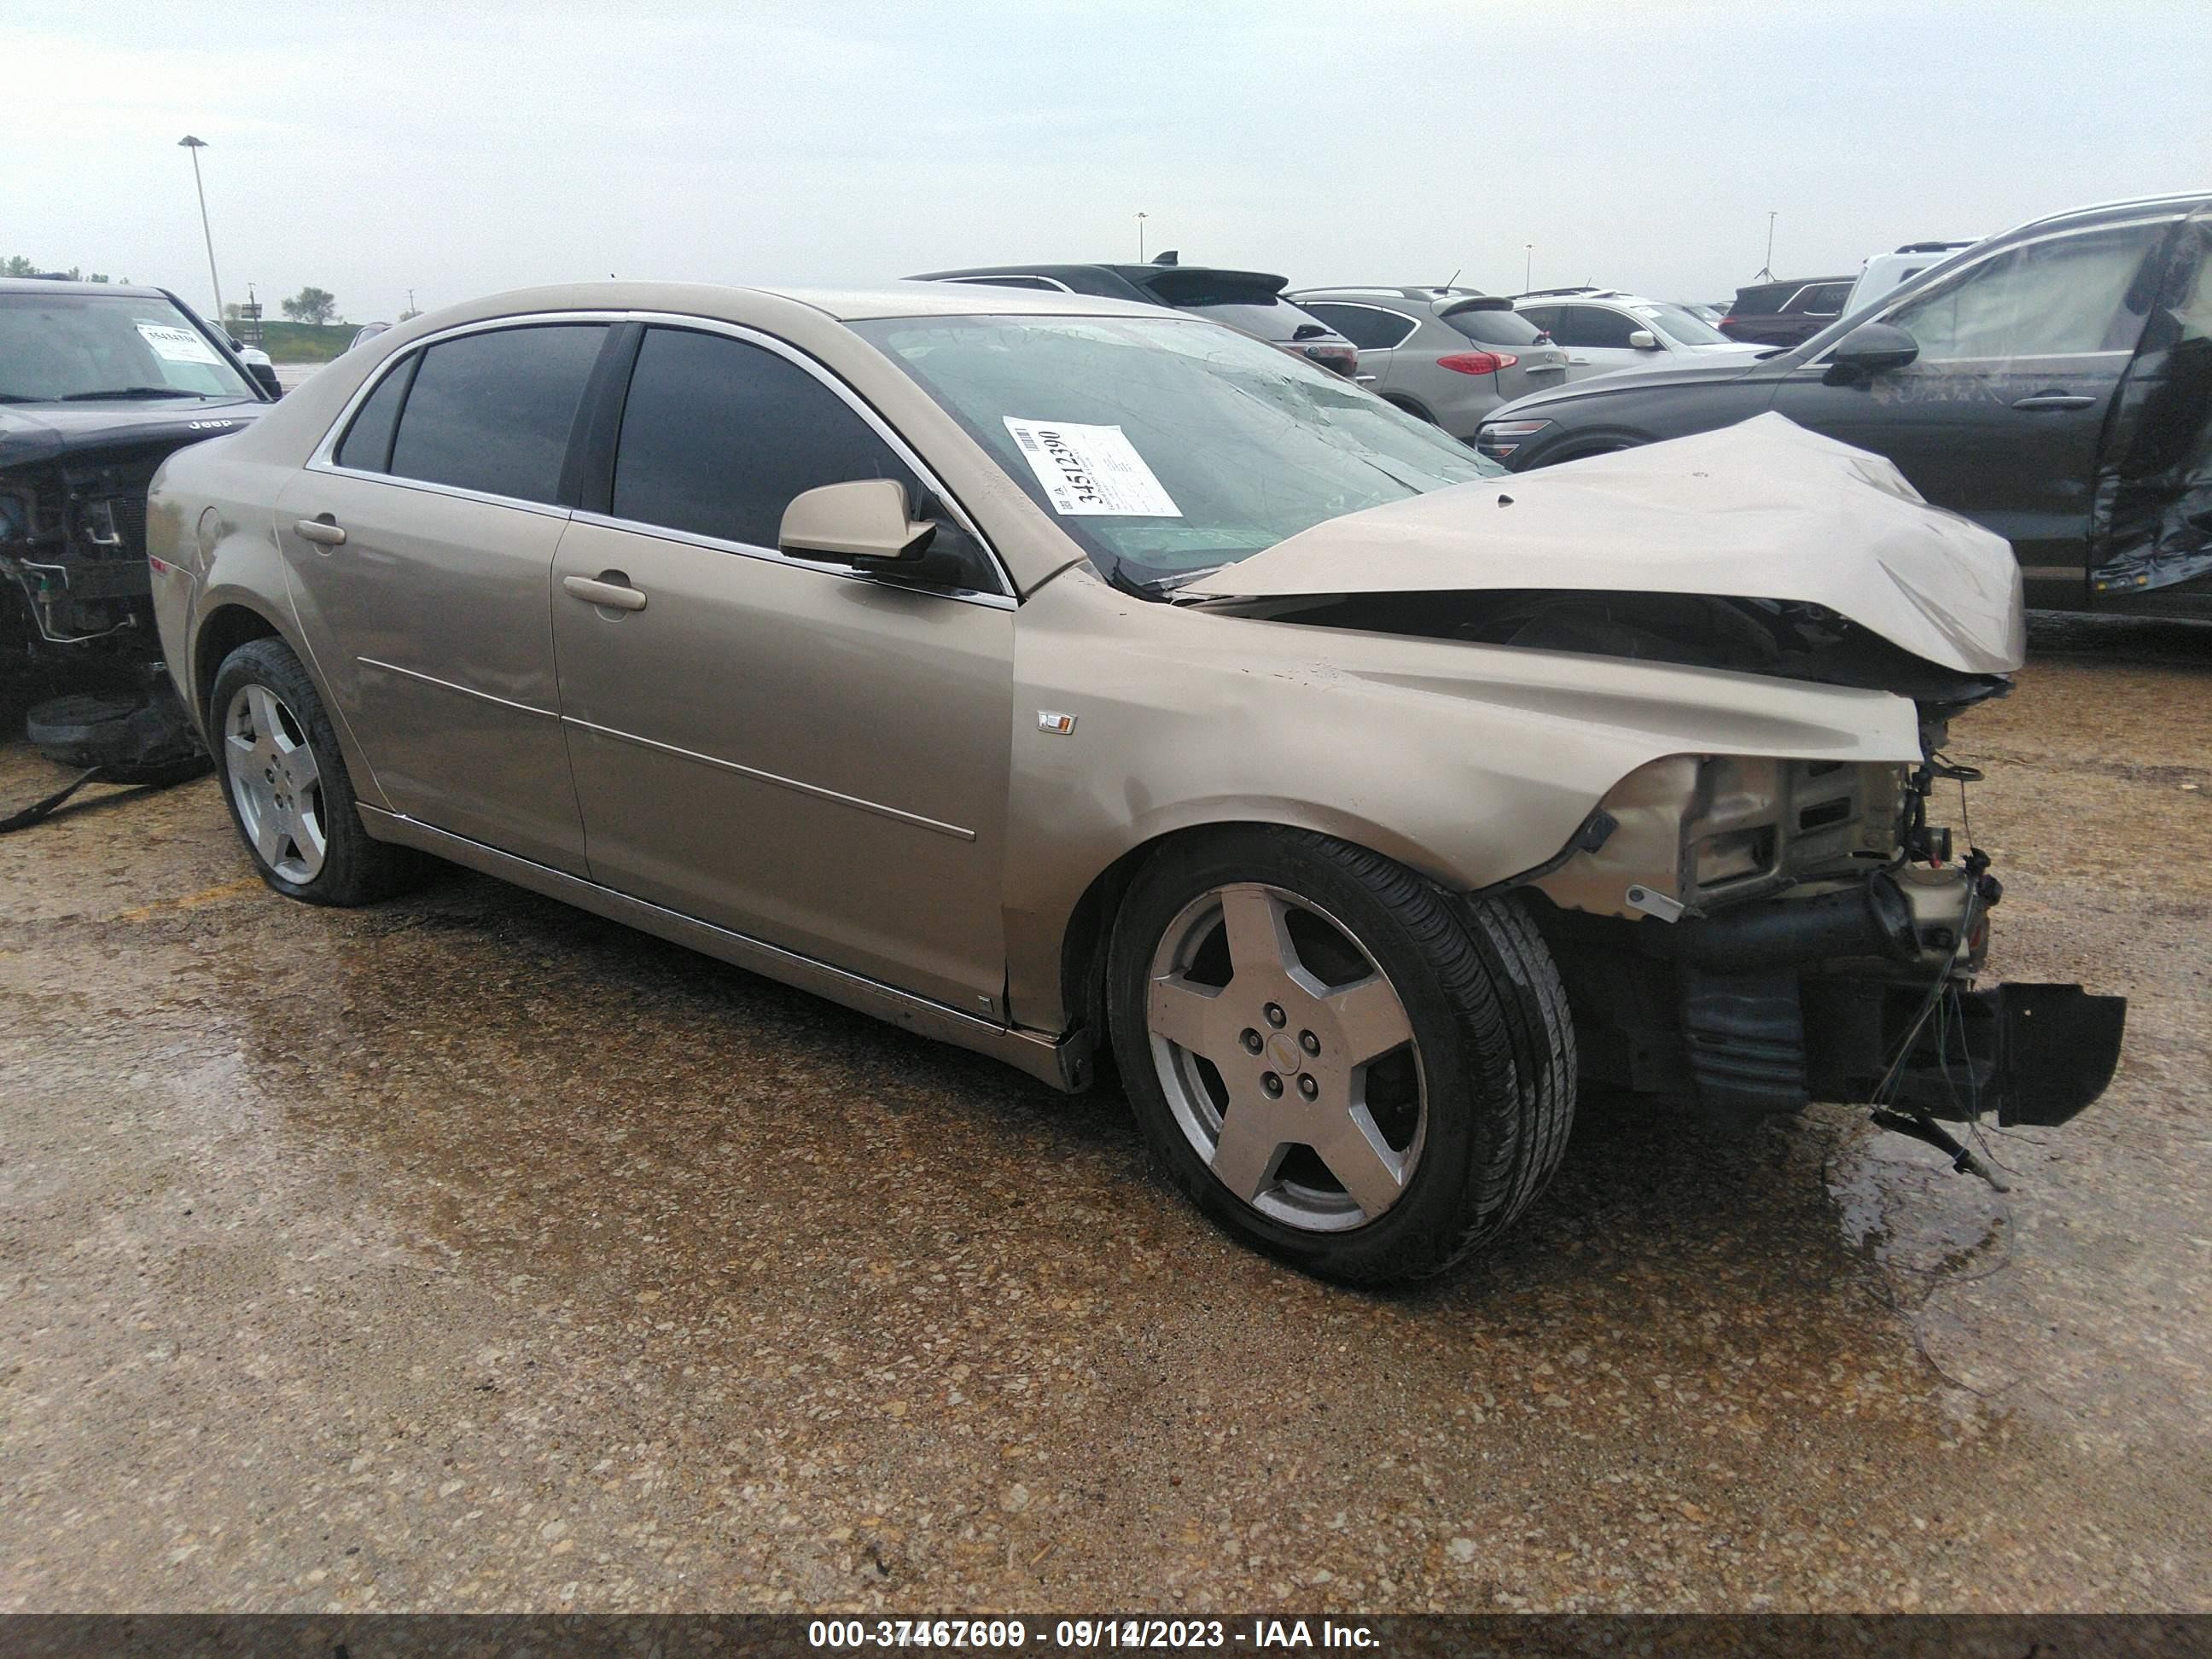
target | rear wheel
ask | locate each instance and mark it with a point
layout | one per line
(287, 786)
(1339, 1062)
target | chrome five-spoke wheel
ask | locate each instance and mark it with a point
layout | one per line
(274, 783)
(1286, 1056)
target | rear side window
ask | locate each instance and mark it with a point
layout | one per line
(1368, 327)
(368, 443)
(492, 411)
(1592, 325)
(1822, 299)
(1269, 319)
(718, 435)
(1486, 327)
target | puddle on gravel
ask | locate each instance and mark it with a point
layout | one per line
(1901, 1206)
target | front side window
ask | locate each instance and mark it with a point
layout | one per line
(719, 435)
(71, 346)
(1593, 325)
(2061, 296)
(492, 411)
(1368, 327)
(1162, 448)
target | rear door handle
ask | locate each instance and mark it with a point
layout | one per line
(324, 530)
(1582, 361)
(610, 588)
(1364, 378)
(2055, 400)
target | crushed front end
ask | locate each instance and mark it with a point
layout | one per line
(1759, 934)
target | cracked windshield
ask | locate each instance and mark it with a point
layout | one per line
(1170, 448)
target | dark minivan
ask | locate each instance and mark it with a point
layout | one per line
(2053, 383)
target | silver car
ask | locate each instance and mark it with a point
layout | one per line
(1448, 354)
(1603, 329)
(1066, 678)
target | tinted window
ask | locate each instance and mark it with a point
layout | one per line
(1592, 325)
(1270, 318)
(1366, 327)
(1681, 325)
(2061, 296)
(1822, 299)
(1544, 317)
(718, 435)
(368, 443)
(1762, 300)
(492, 411)
(1493, 327)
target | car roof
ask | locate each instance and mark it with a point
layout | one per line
(754, 305)
(78, 285)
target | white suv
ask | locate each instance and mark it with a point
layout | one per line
(1604, 330)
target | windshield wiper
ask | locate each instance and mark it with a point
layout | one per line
(131, 391)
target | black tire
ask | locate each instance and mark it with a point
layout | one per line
(1483, 998)
(356, 869)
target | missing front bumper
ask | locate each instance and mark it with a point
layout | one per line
(2022, 1054)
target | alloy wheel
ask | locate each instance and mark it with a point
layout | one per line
(275, 784)
(1287, 1057)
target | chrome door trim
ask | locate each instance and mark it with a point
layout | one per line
(776, 556)
(814, 789)
(448, 686)
(1061, 1062)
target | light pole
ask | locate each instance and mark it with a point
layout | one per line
(1140, 238)
(1766, 271)
(196, 145)
(1528, 264)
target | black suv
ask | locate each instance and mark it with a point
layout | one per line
(2054, 384)
(1783, 314)
(1250, 302)
(99, 382)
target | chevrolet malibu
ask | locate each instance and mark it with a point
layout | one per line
(1087, 685)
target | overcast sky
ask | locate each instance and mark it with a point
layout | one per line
(459, 150)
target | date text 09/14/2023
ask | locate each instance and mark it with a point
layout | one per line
(1291, 1635)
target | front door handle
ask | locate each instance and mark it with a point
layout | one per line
(2055, 400)
(323, 530)
(610, 588)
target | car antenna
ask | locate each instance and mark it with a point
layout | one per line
(1454, 277)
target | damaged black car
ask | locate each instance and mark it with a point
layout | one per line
(99, 384)
(2054, 384)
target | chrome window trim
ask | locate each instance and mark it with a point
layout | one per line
(1413, 323)
(777, 556)
(322, 459)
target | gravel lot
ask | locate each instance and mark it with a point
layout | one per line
(471, 1253)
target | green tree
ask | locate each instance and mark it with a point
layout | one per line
(312, 305)
(17, 265)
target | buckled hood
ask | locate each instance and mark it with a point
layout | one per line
(1762, 510)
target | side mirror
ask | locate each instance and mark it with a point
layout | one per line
(863, 523)
(1643, 339)
(1869, 350)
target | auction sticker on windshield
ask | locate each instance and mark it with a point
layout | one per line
(1091, 469)
(176, 345)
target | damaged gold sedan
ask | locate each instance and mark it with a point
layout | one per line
(1074, 683)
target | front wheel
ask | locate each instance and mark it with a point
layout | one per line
(287, 786)
(1337, 1061)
